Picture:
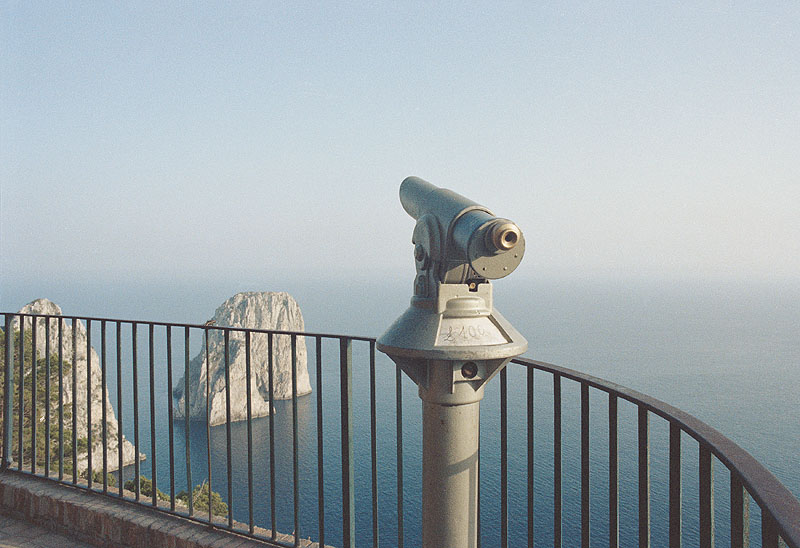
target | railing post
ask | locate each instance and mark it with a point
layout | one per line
(613, 471)
(451, 342)
(740, 513)
(348, 497)
(706, 491)
(557, 463)
(8, 403)
(675, 486)
(644, 478)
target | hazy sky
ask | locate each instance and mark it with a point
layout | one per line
(154, 140)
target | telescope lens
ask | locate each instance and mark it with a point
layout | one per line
(505, 235)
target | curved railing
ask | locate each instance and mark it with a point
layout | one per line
(299, 469)
(780, 510)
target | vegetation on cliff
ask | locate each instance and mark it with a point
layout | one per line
(38, 397)
(145, 488)
(199, 496)
(41, 400)
(200, 500)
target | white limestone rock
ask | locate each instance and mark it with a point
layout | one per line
(79, 362)
(255, 310)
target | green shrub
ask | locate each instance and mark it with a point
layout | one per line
(200, 500)
(145, 488)
(97, 477)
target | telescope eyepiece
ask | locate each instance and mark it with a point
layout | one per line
(504, 235)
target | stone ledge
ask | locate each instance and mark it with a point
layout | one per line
(101, 520)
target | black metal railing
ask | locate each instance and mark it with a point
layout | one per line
(24, 400)
(332, 465)
(780, 510)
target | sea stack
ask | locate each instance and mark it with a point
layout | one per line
(79, 363)
(255, 310)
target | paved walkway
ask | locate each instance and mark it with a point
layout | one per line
(15, 533)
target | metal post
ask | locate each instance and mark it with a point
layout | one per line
(8, 409)
(348, 492)
(450, 474)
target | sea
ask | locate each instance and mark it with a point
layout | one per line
(726, 351)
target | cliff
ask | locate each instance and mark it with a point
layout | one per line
(98, 399)
(255, 310)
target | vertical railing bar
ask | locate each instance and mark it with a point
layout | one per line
(740, 506)
(531, 433)
(769, 530)
(153, 471)
(34, 384)
(248, 380)
(75, 324)
(89, 465)
(675, 488)
(585, 530)
(8, 402)
(320, 448)
(120, 462)
(644, 478)
(706, 497)
(170, 425)
(186, 410)
(21, 353)
(556, 460)
(208, 421)
(229, 457)
(61, 398)
(504, 458)
(746, 518)
(47, 397)
(348, 500)
(399, 465)
(135, 371)
(373, 444)
(613, 472)
(104, 414)
(271, 388)
(295, 446)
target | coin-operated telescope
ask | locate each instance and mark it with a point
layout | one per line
(451, 342)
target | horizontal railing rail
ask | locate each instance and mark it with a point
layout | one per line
(299, 468)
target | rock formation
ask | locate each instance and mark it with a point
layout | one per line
(79, 362)
(265, 310)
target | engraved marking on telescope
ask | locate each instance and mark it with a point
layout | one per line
(468, 332)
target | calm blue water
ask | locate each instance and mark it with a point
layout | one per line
(727, 353)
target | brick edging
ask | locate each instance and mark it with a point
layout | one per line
(101, 520)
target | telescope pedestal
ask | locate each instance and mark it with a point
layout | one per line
(451, 348)
(450, 475)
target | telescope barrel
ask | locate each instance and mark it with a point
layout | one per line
(493, 246)
(419, 198)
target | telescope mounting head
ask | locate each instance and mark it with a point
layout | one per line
(451, 341)
(457, 241)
